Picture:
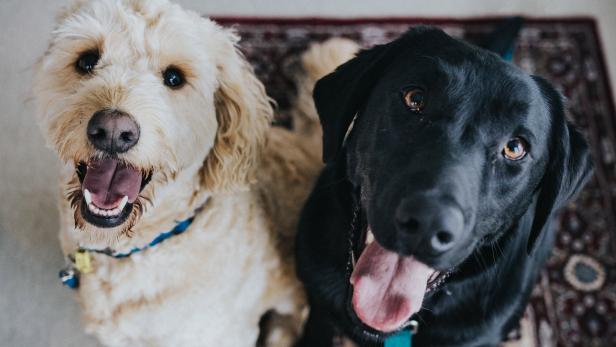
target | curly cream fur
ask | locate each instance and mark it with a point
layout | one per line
(212, 154)
(243, 111)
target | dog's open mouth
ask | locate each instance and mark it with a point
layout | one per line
(109, 188)
(388, 288)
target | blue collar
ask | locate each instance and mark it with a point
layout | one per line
(80, 261)
(179, 228)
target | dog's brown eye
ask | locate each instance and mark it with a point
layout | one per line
(414, 99)
(515, 149)
(87, 61)
(173, 77)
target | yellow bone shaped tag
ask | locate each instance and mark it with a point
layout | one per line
(82, 262)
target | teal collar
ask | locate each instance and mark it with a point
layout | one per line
(179, 228)
(80, 261)
(403, 338)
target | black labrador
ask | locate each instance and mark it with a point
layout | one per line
(445, 165)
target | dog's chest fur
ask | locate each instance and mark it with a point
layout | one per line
(210, 285)
(189, 283)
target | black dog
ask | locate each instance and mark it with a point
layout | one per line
(437, 204)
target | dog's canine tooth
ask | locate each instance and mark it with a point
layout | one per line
(87, 196)
(369, 237)
(123, 202)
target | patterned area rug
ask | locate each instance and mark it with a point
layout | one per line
(574, 303)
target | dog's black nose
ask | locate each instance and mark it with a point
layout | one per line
(430, 226)
(113, 131)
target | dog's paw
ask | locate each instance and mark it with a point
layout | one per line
(280, 337)
(279, 330)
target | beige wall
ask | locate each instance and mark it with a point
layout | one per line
(34, 309)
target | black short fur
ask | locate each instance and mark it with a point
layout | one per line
(450, 154)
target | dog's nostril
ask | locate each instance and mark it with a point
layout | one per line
(127, 136)
(442, 241)
(112, 131)
(444, 236)
(428, 226)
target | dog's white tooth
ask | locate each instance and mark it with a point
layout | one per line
(123, 202)
(87, 196)
(369, 237)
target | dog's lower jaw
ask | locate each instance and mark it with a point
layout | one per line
(165, 199)
(372, 268)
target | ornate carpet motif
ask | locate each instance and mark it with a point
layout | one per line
(574, 303)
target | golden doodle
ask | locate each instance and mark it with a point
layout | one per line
(178, 199)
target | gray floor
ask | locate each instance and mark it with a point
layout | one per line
(34, 309)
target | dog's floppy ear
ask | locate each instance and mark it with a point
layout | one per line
(244, 113)
(339, 95)
(569, 165)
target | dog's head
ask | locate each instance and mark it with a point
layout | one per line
(133, 94)
(449, 146)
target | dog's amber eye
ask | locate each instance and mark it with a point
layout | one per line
(414, 99)
(173, 77)
(87, 61)
(515, 149)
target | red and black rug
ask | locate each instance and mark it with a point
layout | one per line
(574, 303)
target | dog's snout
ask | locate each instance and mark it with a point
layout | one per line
(113, 131)
(431, 227)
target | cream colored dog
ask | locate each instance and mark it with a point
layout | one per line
(159, 120)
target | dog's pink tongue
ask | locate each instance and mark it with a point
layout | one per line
(108, 181)
(387, 288)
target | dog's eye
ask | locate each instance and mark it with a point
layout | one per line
(87, 61)
(515, 149)
(414, 99)
(173, 77)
